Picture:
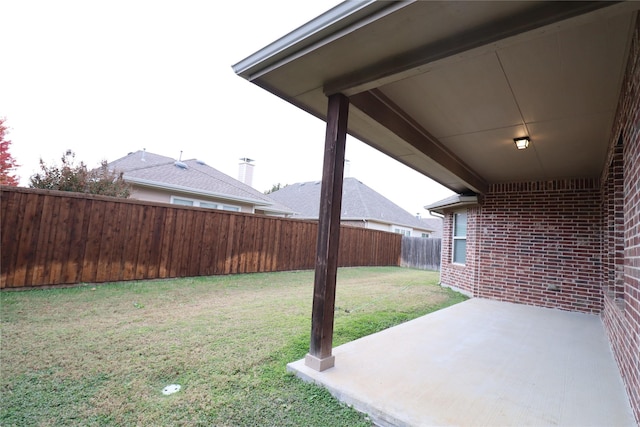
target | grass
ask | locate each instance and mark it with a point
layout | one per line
(100, 355)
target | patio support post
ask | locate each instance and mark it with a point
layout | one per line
(324, 290)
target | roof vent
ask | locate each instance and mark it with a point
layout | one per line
(200, 162)
(179, 163)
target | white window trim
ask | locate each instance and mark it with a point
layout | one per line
(454, 237)
(196, 203)
(401, 230)
(173, 201)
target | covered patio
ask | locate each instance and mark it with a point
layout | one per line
(530, 112)
(482, 362)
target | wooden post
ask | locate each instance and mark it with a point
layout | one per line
(324, 290)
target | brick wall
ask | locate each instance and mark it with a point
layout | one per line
(568, 244)
(540, 244)
(613, 222)
(621, 314)
(461, 277)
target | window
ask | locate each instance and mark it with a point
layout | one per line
(182, 202)
(402, 231)
(460, 237)
(209, 205)
(203, 204)
(425, 235)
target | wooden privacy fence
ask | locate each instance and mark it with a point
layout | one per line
(421, 253)
(51, 237)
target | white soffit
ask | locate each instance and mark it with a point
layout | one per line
(557, 82)
(558, 88)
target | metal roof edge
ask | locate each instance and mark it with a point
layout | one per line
(376, 220)
(268, 208)
(317, 31)
(155, 184)
(452, 202)
(391, 223)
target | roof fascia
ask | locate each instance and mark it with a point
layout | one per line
(399, 224)
(342, 19)
(454, 202)
(268, 208)
(367, 219)
(189, 190)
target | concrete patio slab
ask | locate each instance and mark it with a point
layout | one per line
(482, 363)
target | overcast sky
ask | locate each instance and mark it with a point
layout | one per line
(105, 78)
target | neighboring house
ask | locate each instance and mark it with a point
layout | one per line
(361, 207)
(528, 110)
(192, 183)
(435, 224)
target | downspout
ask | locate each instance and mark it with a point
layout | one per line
(476, 284)
(439, 215)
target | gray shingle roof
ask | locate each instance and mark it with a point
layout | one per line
(434, 224)
(152, 169)
(358, 202)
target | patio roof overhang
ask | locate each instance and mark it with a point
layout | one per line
(445, 87)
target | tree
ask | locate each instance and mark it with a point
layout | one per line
(7, 162)
(275, 187)
(70, 176)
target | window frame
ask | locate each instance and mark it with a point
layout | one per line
(182, 201)
(197, 204)
(402, 230)
(460, 238)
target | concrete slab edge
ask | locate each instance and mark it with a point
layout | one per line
(378, 418)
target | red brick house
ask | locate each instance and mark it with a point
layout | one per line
(447, 88)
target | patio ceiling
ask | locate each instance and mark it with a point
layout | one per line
(444, 87)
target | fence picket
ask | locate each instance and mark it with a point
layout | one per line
(51, 237)
(418, 252)
(23, 249)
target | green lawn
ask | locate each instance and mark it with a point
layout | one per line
(101, 355)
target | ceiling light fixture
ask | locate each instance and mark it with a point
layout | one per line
(522, 142)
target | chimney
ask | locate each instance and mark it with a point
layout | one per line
(245, 172)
